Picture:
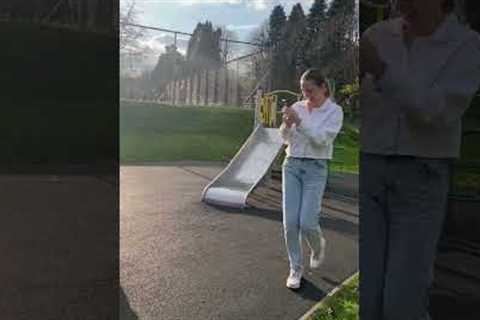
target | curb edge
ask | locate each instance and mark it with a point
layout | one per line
(312, 310)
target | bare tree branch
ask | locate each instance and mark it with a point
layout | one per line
(129, 35)
(227, 47)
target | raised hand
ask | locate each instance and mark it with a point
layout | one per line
(290, 116)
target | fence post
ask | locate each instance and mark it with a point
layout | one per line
(165, 96)
(211, 87)
(258, 103)
(237, 85)
(189, 90)
(227, 87)
(215, 87)
(205, 79)
(198, 80)
(183, 90)
(175, 92)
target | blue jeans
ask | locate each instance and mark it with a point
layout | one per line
(303, 186)
(402, 207)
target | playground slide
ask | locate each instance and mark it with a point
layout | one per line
(233, 185)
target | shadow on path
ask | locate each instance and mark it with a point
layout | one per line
(309, 291)
(341, 226)
(261, 213)
(208, 178)
(330, 281)
(126, 312)
(329, 222)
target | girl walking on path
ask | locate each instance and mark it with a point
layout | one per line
(309, 129)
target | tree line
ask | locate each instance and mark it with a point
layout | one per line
(204, 52)
(325, 38)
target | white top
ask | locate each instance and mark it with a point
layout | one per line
(315, 135)
(416, 108)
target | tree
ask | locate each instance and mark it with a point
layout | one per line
(341, 7)
(170, 66)
(277, 45)
(312, 43)
(204, 49)
(129, 35)
(325, 39)
(296, 30)
(316, 16)
(277, 24)
(227, 48)
(341, 40)
(260, 62)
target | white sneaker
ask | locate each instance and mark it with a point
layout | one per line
(316, 260)
(294, 279)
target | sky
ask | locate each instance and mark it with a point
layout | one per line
(240, 16)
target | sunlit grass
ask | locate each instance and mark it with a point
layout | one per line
(343, 305)
(152, 132)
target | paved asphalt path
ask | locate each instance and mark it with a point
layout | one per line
(183, 259)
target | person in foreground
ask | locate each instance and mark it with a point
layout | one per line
(420, 73)
(309, 129)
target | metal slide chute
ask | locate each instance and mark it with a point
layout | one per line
(254, 159)
(252, 162)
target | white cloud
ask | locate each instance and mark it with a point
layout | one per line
(258, 4)
(193, 2)
(306, 2)
(144, 57)
(149, 49)
(255, 4)
(154, 44)
(242, 27)
(262, 5)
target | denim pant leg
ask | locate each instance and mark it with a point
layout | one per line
(292, 195)
(373, 234)
(417, 206)
(314, 182)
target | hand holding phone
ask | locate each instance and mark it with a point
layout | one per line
(289, 115)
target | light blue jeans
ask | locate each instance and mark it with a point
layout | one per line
(303, 185)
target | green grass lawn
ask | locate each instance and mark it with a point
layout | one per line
(345, 156)
(343, 305)
(466, 181)
(152, 132)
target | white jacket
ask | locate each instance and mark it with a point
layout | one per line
(416, 108)
(317, 131)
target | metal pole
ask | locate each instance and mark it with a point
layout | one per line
(258, 103)
(237, 76)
